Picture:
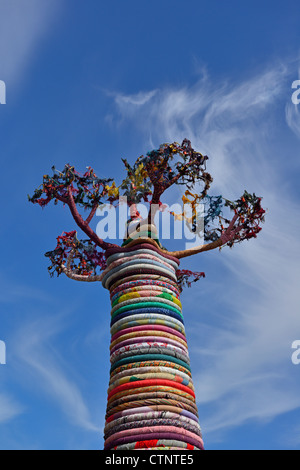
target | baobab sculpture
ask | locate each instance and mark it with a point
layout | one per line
(151, 398)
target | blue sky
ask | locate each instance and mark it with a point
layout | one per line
(89, 82)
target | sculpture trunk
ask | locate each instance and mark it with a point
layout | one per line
(151, 399)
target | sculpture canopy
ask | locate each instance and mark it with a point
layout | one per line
(225, 222)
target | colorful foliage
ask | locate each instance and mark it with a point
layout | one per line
(146, 181)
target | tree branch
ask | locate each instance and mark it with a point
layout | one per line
(195, 250)
(92, 213)
(83, 224)
(63, 199)
(226, 236)
(77, 277)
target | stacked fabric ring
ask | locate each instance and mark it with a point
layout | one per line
(151, 398)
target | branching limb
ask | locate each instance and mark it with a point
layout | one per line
(73, 256)
(83, 224)
(193, 251)
(92, 213)
(79, 277)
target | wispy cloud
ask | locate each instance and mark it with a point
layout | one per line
(22, 26)
(244, 371)
(204, 109)
(13, 291)
(34, 346)
(252, 373)
(292, 114)
(291, 437)
(9, 409)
